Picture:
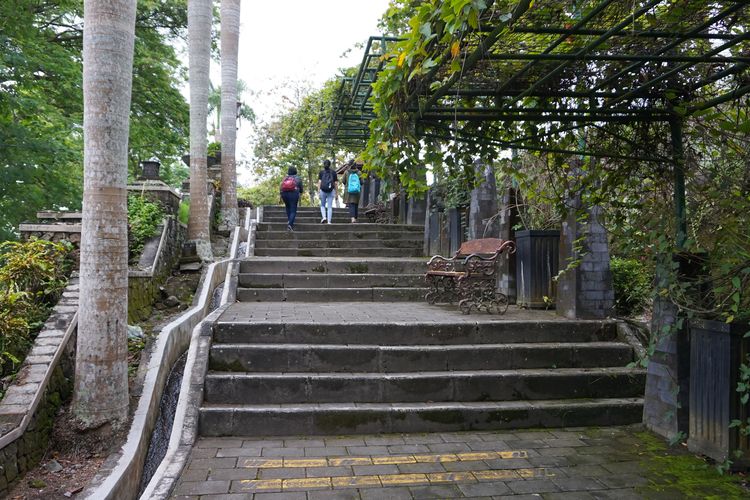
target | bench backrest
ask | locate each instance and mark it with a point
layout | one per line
(486, 247)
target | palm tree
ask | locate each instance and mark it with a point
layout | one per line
(199, 55)
(230, 37)
(101, 374)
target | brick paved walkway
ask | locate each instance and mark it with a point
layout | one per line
(575, 464)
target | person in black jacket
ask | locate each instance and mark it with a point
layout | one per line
(291, 190)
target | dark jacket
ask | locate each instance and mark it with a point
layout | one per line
(351, 197)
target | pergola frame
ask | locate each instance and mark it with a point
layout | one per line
(582, 72)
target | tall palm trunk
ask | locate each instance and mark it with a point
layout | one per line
(230, 38)
(101, 375)
(199, 55)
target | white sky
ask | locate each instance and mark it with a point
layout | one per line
(286, 41)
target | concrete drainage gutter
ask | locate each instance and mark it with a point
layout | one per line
(120, 476)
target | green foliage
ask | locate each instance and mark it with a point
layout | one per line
(41, 114)
(143, 218)
(32, 276)
(632, 282)
(263, 193)
(184, 212)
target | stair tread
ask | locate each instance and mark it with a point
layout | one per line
(608, 370)
(421, 347)
(431, 405)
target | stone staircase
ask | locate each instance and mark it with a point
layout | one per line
(344, 344)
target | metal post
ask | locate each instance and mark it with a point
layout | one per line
(679, 182)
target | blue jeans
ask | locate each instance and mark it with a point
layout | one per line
(291, 199)
(326, 201)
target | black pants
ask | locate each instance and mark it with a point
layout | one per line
(353, 209)
(291, 199)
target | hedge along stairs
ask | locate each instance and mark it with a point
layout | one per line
(332, 336)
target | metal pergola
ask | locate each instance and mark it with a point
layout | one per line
(570, 65)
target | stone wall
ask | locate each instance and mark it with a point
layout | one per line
(143, 285)
(45, 381)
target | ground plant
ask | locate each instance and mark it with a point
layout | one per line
(32, 277)
(144, 217)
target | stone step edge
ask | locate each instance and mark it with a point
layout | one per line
(348, 289)
(609, 371)
(289, 408)
(421, 347)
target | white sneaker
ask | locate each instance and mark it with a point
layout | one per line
(329, 222)
(322, 221)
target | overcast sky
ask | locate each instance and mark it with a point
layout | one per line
(296, 40)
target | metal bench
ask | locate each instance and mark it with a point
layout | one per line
(469, 277)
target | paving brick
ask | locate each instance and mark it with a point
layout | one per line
(631, 467)
(228, 496)
(370, 470)
(510, 463)
(345, 441)
(213, 463)
(533, 486)
(328, 451)
(464, 465)
(287, 495)
(491, 488)
(232, 474)
(422, 439)
(421, 468)
(386, 494)
(203, 487)
(577, 483)
(384, 440)
(448, 447)
(304, 443)
(408, 448)
(218, 443)
(263, 443)
(204, 452)
(281, 473)
(488, 445)
(622, 480)
(367, 450)
(190, 475)
(328, 471)
(282, 452)
(569, 495)
(442, 491)
(238, 452)
(333, 495)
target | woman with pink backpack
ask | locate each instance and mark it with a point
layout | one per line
(291, 190)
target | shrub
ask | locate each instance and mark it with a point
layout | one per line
(32, 277)
(631, 280)
(184, 212)
(143, 218)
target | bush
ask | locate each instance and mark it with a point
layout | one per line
(184, 212)
(32, 277)
(143, 218)
(631, 280)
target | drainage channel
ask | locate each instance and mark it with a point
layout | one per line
(159, 443)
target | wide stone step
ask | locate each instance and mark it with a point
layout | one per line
(414, 244)
(336, 265)
(500, 385)
(342, 233)
(383, 359)
(359, 227)
(367, 294)
(276, 420)
(234, 327)
(339, 252)
(308, 219)
(307, 280)
(303, 210)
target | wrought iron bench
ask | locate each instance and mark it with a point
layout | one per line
(379, 213)
(469, 277)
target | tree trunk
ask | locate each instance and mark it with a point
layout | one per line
(101, 374)
(230, 38)
(199, 48)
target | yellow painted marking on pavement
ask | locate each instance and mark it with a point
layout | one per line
(313, 483)
(356, 481)
(260, 484)
(391, 479)
(305, 462)
(393, 460)
(451, 477)
(491, 475)
(336, 462)
(450, 457)
(263, 463)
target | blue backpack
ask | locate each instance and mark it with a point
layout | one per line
(353, 184)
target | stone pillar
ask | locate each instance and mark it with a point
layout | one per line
(417, 205)
(586, 290)
(483, 204)
(455, 231)
(403, 207)
(364, 198)
(507, 221)
(374, 190)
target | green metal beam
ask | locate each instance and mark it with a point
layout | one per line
(616, 57)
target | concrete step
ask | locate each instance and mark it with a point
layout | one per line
(280, 210)
(453, 386)
(359, 227)
(333, 265)
(348, 243)
(341, 233)
(292, 419)
(307, 219)
(367, 294)
(373, 251)
(382, 359)
(235, 329)
(307, 280)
